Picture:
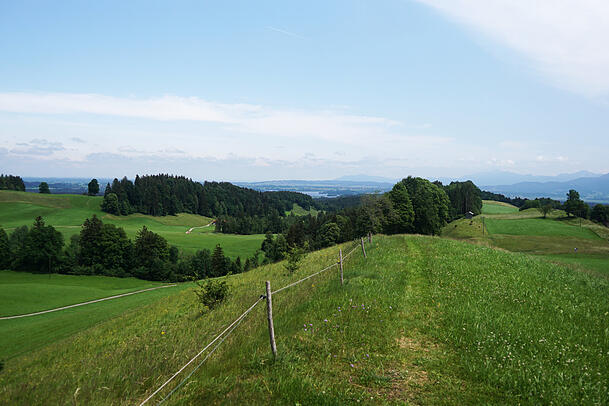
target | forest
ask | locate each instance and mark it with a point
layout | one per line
(413, 205)
(10, 182)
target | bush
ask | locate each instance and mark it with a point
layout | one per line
(211, 293)
(295, 256)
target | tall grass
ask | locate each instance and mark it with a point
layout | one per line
(422, 320)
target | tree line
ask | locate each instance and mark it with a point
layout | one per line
(105, 249)
(163, 194)
(414, 205)
(10, 182)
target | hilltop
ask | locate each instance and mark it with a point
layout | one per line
(421, 320)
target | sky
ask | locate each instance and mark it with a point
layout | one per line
(266, 90)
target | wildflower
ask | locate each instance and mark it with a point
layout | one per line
(325, 320)
(352, 366)
(162, 332)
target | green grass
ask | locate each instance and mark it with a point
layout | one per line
(23, 292)
(525, 231)
(491, 207)
(537, 227)
(297, 210)
(597, 263)
(68, 212)
(421, 321)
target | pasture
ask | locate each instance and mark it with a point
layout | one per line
(408, 326)
(67, 213)
(22, 293)
(491, 207)
(526, 231)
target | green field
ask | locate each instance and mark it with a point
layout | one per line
(538, 226)
(408, 326)
(68, 212)
(491, 207)
(555, 237)
(22, 292)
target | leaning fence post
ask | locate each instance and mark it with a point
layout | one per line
(363, 249)
(340, 260)
(269, 313)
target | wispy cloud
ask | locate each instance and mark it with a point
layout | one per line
(239, 118)
(565, 39)
(285, 32)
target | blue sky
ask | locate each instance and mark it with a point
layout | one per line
(312, 90)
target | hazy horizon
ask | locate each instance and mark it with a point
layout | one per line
(250, 92)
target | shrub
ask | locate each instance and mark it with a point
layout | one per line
(295, 256)
(211, 293)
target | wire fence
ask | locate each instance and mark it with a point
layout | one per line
(220, 338)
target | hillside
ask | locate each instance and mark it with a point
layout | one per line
(67, 213)
(579, 243)
(422, 320)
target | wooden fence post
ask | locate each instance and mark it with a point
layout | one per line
(363, 249)
(369, 237)
(340, 260)
(269, 313)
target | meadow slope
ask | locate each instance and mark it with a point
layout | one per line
(581, 244)
(68, 212)
(423, 320)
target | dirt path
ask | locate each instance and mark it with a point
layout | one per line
(84, 303)
(192, 228)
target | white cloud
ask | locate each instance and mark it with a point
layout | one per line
(565, 39)
(246, 118)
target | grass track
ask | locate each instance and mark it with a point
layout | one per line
(409, 326)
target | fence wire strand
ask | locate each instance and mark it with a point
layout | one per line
(206, 357)
(203, 350)
(228, 330)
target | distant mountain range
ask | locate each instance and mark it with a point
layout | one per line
(510, 178)
(591, 189)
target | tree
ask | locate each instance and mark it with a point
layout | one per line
(150, 246)
(403, 209)
(90, 244)
(430, 204)
(573, 203)
(116, 249)
(545, 209)
(600, 213)
(329, 235)
(17, 239)
(464, 197)
(295, 256)
(219, 266)
(5, 250)
(44, 188)
(93, 187)
(110, 204)
(41, 250)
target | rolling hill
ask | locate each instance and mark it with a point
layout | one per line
(68, 212)
(422, 320)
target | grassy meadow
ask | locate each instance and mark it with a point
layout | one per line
(22, 292)
(68, 212)
(408, 326)
(555, 237)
